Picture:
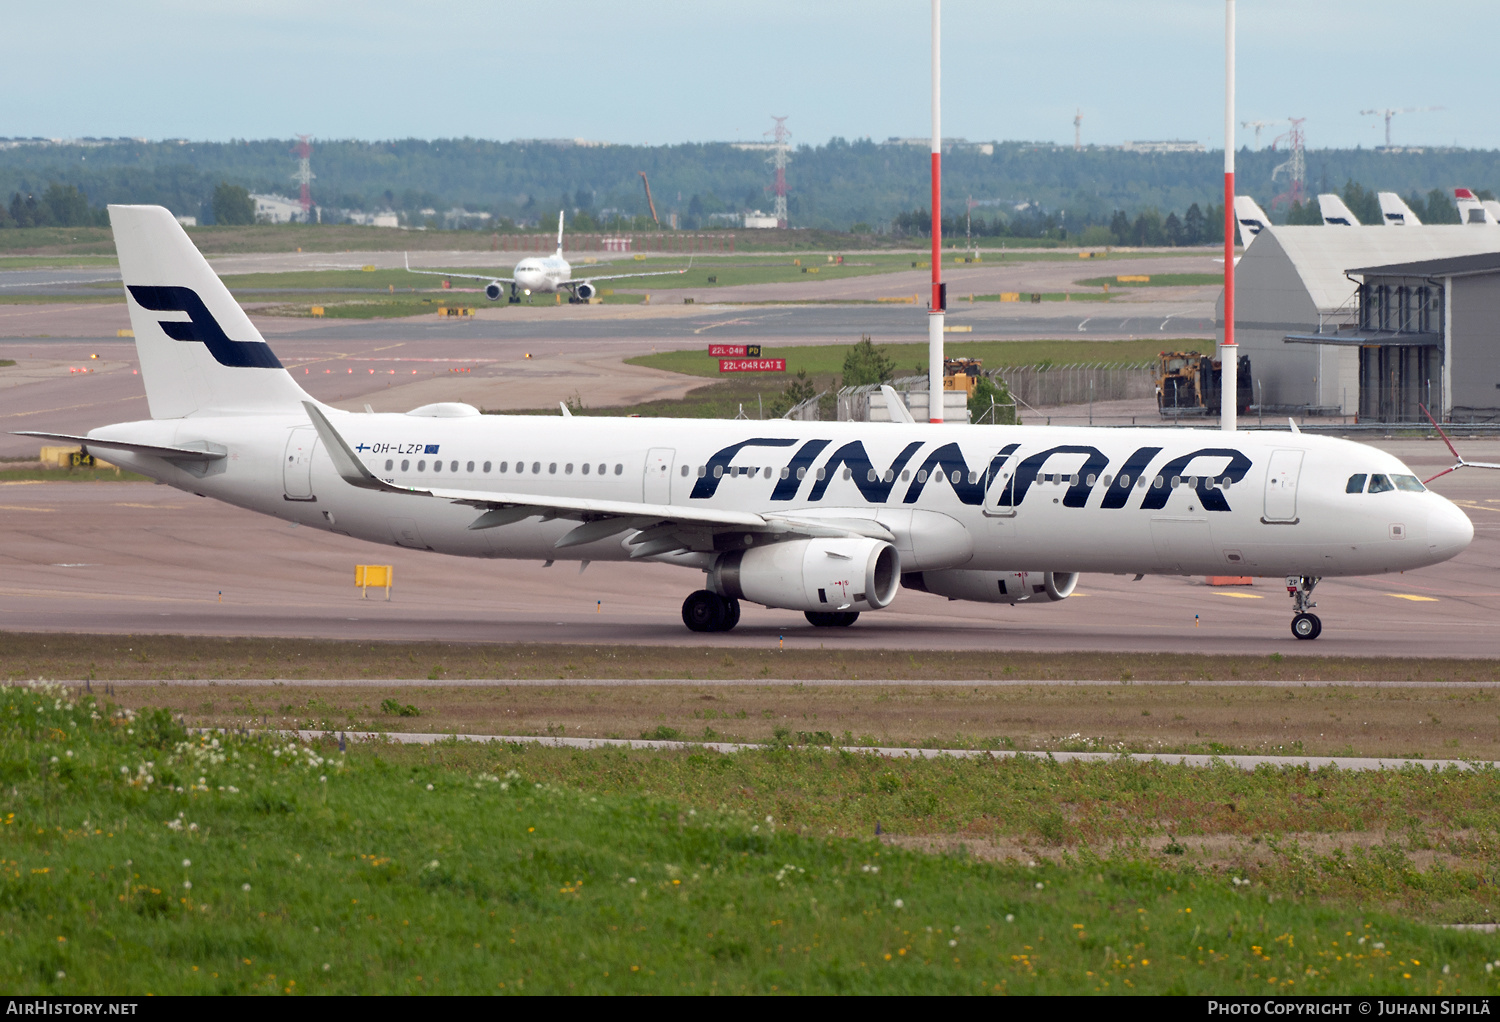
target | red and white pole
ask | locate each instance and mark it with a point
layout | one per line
(1229, 351)
(935, 309)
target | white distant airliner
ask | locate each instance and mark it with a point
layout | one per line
(828, 518)
(543, 275)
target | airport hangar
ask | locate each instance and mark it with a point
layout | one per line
(1372, 321)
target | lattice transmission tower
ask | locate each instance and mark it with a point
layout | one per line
(780, 157)
(304, 175)
(1295, 166)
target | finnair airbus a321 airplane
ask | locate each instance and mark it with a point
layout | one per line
(828, 518)
(545, 275)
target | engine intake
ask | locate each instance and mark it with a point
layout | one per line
(994, 586)
(493, 291)
(585, 291)
(812, 574)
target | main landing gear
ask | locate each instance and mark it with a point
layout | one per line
(704, 611)
(1304, 624)
(832, 618)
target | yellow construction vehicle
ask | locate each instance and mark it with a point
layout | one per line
(1188, 383)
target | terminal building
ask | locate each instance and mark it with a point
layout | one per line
(1372, 321)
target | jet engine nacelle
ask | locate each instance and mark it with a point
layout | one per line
(994, 586)
(852, 574)
(493, 291)
(585, 291)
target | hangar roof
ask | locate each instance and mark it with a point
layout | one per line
(1322, 255)
(1454, 266)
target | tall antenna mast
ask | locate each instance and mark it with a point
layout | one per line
(304, 175)
(780, 156)
(1229, 351)
(1295, 166)
(936, 308)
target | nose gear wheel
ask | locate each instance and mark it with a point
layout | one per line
(1305, 625)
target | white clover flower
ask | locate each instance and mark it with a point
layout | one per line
(768, 819)
(1010, 918)
(186, 863)
(1040, 885)
(953, 943)
(429, 787)
(323, 780)
(61, 974)
(187, 885)
(245, 887)
(899, 903)
(326, 966)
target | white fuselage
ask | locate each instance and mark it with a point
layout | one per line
(1003, 498)
(542, 274)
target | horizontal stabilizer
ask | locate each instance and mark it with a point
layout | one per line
(204, 453)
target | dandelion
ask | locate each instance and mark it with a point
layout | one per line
(61, 974)
(326, 966)
(768, 819)
(1445, 970)
(630, 880)
(1040, 885)
(187, 885)
(429, 787)
(899, 903)
(324, 780)
(1010, 918)
(186, 863)
(953, 943)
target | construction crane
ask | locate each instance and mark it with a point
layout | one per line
(1389, 113)
(649, 200)
(1257, 125)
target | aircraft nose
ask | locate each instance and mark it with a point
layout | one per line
(1449, 530)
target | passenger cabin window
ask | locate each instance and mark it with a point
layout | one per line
(405, 464)
(586, 467)
(619, 469)
(437, 466)
(536, 468)
(1409, 484)
(389, 464)
(486, 467)
(1380, 484)
(1356, 483)
(422, 466)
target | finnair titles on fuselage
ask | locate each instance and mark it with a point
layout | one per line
(544, 275)
(829, 518)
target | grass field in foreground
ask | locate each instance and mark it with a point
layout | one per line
(134, 859)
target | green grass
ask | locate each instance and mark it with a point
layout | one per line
(6, 363)
(63, 262)
(1157, 280)
(134, 859)
(828, 359)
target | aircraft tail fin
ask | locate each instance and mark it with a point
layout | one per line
(559, 231)
(199, 352)
(1470, 209)
(1252, 219)
(1395, 212)
(1335, 213)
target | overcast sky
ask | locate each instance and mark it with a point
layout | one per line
(699, 70)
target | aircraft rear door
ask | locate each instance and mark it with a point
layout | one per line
(657, 488)
(1281, 488)
(296, 469)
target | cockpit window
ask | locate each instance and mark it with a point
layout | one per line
(1356, 483)
(1380, 484)
(1410, 484)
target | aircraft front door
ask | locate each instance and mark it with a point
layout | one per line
(296, 468)
(1281, 487)
(658, 483)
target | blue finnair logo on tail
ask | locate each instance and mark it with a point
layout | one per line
(202, 327)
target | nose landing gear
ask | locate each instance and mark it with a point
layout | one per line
(1305, 625)
(704, 611)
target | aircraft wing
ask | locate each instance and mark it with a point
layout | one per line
(486, 277)
(622, 276)
(660, 528)
(204, 453)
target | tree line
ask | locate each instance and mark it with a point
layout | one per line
(59, 205)
(839, 185)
